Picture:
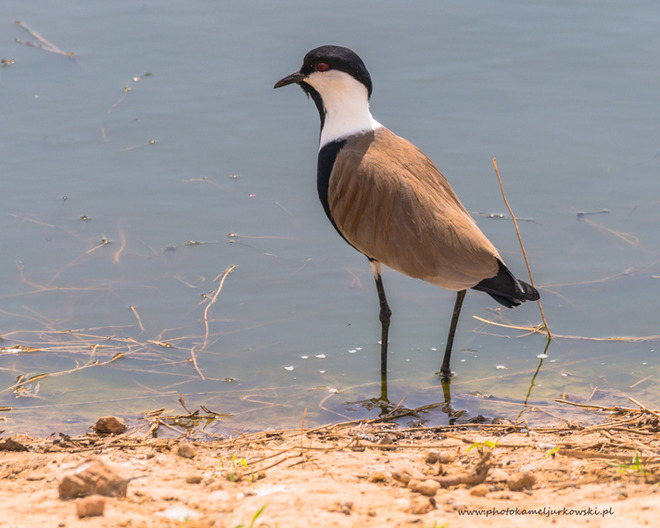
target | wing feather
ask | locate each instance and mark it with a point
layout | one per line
(390, 201)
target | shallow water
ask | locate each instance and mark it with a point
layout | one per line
(164, 130)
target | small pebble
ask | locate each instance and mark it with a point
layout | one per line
(194, 479)
(481, 490)
(401, 477)
(446, 458)
(432, 457)
(386, 440)
(186, 451)
(377, 477)
(426, 487)
(521, 481)
(497, 475)
(91, 506)
(421, 505)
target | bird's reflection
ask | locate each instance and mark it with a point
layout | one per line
(393, 411)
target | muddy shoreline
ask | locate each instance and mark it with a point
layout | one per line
(369, 473)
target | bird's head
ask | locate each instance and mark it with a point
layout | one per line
(329, 68)
(338, 82)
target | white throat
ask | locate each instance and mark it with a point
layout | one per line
(346, 105)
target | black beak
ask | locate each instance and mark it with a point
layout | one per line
(294, 78)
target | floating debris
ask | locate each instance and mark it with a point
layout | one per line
(17, 349)
(138, 78)
(44, 44)
(583, 213)
(163, 344)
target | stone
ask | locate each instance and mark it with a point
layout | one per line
(387, 439)
(9, 444)
(377, 476)
(186, 451)
(480, 490)
(421, 505)
(432, 457)
(110, 425)
(521, 481)
(345, 507)
(401, 476)
(425, 487)
(92, 477)
(497, 475)
(447, 458)
(91, 506)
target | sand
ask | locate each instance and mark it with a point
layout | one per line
(358, 474)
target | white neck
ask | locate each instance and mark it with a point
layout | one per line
(346, 105)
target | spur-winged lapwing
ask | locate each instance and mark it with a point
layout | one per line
(388, 200)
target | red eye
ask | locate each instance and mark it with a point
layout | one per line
(321, 66)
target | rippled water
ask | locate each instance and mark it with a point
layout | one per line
(138, 171)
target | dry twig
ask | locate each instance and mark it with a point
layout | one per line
(522, 247)
(223, 276)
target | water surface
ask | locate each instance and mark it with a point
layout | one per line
(139, 171)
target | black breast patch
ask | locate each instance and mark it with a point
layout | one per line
(326, 161)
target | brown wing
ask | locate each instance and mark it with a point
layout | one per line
(390, 201)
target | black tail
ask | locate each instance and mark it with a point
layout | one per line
(506, 289)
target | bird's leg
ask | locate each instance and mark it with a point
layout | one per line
(445, 371)
(384, 317)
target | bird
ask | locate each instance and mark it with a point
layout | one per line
(388, 200)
